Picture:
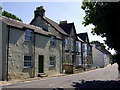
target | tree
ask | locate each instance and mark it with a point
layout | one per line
(105, 16)
(9, 15)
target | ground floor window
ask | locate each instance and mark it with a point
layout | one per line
(52, 61)
(27, 61)
(67, 59)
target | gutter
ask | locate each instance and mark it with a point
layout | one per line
(8, 51)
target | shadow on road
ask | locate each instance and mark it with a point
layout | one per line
(97, 84)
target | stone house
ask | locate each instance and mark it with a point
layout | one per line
(70, 42)
(64, 30)
(79, 53)
(28, 50)
(101, 57)
(86, 50)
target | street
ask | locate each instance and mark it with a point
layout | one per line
(105, 76)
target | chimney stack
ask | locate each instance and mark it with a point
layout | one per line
(63, 22)
(40, 11)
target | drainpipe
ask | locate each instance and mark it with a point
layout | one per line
(7, 52)
(34, 55)
(62, 55)
(81, 53)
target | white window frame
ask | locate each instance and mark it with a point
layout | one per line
(78, 46)
(66, 44)
(28, 35)
(27, 61)
(52, 61)
(52, 40)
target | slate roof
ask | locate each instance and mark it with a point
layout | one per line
(56, 26)
(67, 27)
(21, 25)
(83, 36)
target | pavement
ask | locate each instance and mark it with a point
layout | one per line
(102, 77)
(3, 83)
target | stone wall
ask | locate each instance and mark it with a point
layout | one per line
(42, 47)
(18, 48)
(68, 69)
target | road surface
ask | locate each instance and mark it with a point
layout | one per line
(101, 75)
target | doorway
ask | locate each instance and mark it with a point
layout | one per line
(41, 64)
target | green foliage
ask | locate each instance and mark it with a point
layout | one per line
(105, 16)
(9, 15)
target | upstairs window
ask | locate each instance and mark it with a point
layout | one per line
(27, 61)
(28, 35)
(85, 47)
(52, 40)
(66, 44)
(78, 46)
(72, 44)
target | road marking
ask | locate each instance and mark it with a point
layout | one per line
(51, 85)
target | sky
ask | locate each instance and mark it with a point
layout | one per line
(57, 11)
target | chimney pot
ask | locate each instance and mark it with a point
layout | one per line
(63, 22)
(40, 11)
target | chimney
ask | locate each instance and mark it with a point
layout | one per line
(40, 11)
(63, 22)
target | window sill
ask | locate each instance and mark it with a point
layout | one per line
(28, 67)
(29, 41)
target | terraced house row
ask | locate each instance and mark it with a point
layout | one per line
(44, 47)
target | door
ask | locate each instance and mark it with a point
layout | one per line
(41, 64)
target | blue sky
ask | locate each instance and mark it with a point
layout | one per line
(57, 11)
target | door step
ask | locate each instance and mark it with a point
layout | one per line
(42, 75)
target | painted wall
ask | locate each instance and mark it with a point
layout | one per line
(0, 52)
(98, 57)
(4, 50)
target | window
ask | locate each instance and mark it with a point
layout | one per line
(27, 61)
(72, 44)
(52, 61)
(78, 46)
(28, 35)
(52, 40)
(66, 44)
(85, 48)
